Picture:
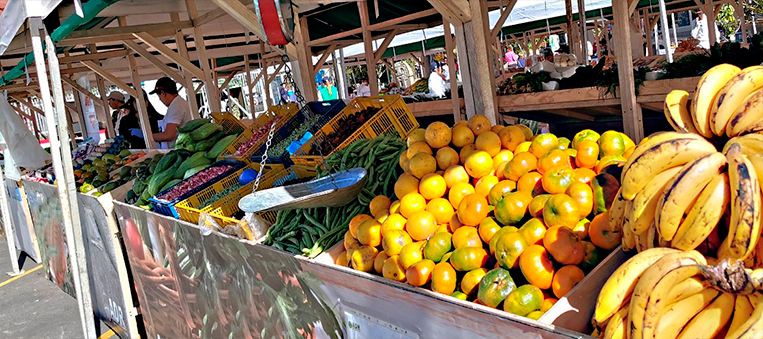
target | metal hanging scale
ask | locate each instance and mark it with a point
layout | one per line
(337, 189)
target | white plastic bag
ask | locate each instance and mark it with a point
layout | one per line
(19, 139)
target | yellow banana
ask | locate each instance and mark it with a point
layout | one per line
(711, 320)
(648, 300)
(681, 191)
(678, 315)
(617, 290)
(750, 143)
(753, 327)
(686, 289)
(641, 214)
(707, 90)
(654, 140)
(617, 325)
(617, 212)
(629, 239)
(704, 215)
(674, 152)
(744, 221)
(677, 111)
(750, 112)
(756, 127)
(732, 95)
(645, 240)
(742, 311)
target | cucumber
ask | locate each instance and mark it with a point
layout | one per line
(193, 125)
(206, 131)
(220, 146)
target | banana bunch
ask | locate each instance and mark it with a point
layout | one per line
(669, 293)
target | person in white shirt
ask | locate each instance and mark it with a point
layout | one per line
(178, 112)
(446, 72)
(436, 83)
(700, 31)
(363, 89)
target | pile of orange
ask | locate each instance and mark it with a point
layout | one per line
(493, 214)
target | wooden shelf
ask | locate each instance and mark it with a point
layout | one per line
(433, 108)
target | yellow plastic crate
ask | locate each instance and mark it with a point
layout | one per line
(283, 112)
(223, 209)
(394, 117)
(228, 121)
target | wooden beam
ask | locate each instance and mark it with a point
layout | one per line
(249, 84)
(27, 104)
(249, 20)
(209, 17)
(383, 47)
(304, 64)
(213, 95)
(187, 76)
(273, 76)
(571, 114)
(375, 27)
(449, 47)
(454, 11)
(373, 80)
(94, 56)
(169, 53)
(322, 60)
(228, 79)
(122, 30)
(82, 90)
(110, 77)
(145, 124)
(263, 71)
(570, 31)
(502, 19)
(632, 117)
(108, 39)
(172, 73)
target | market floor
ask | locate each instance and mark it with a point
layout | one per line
(31, 307)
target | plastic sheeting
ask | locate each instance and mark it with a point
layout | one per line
(16, 12)
(19, 139)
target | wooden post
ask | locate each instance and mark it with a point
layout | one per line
(264, 69)
(343, 76)
(449, 47)
(373, 80)
(188, 84)
(145, 124)
(248, 80)
(78, 103)
(213, 96)
(301, 72)
(665, 31)
(583, 31)
(10, 238)
(110, 133)
(571, 32)
(632, 118)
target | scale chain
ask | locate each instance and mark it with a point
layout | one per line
(264, 156)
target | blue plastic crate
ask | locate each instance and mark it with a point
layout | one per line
(168, 207)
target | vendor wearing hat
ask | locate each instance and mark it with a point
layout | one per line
(116, 100)
(178, 112)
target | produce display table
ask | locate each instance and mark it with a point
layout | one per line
(190, 281)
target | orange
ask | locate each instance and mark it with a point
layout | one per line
(499, 169)
(535, 315)
(471, 280)
(382, 216)
(421, 225)
(420, 273)
(528, 132)
(485, 184)
(488, 142)
(537, 267)
(499, 190)
(530, 182)
(458, 192)
(466, 236)
(403, 161)
(565, 279)
(418, 147)
(394, 241)
(379, 262)
(405, 184)
(455, 174)
(523, 147)
(558, 179)
(543, 143)
(585, 134)
(537, 204)
(454, 223)
(581, 228)
(547, 303)
(412, 203)
(369, 233)
(363, 258)
(583, 196)
(472, 209)
(353, 247)
(572, 152)
(511, 137)
(468, 258)
(394, 221)
(341, 260)
(496, 128)
(393, 269)
(495, 287)
(600, 233)
(564, 143)
(523, 300)
(437, 246)
(379, 204)
(487, 229)
(437, 134)
(628, 142)
(479, 124)
(503, 155)
(555, 157)
(497, 236)
(411, 254)
(588, 154)
(533, 231)
(441, 209)
(628, 152)
(561, 209)
(564, 245)
(591, 256)
(612, 143)
(432, 186)
(521, 163)
(465, 151)
(422, 164)
(508, 248)
(417, 135)
(444, 278)
(478, 164)
(446, 157)
(460, 123)
(442, 228)
(462, 136)
(356, 221)
(512, 208)
(584, 175)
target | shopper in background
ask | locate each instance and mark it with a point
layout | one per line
(548, 55)
(328, 90)
(436, 83)
(363, 89)
(178, 112)
(129, 125)
(511, 58)
(284, 94)
(153, 115)
(393, 89)
(700, 31)
(116, 100)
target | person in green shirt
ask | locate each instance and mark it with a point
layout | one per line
(328, 90)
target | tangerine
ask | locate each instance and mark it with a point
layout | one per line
(478, 164)
(591, 256)
(369, 233)
(441, 209)
(411, 254)
(583, 196)
(523, 300)
(466, 236)
(584, 175)
(438, 245)
(356, 221)
(468, 258)
(393, 269)
(472, 209)
(558, 179)
(564, 245)
(585, 134)
(488, 142)
(512, 208)
(543, 143)
(535, 315)
(394, 241)
(565, 279)
(437, 134)
(503, 155)
(378, 204)
(581, 228)
(462, 136)
(612, 143)
(537, 204)
(487, 229)
(394, 221)
(497, 235)
(444, 278)
(479, 124)
(379, 262)
(422, 164)
(499, 190)
(412, 203)
(465, 151)
(552, 159)
(420, 273)
(588, 154)
(341, 260)
(533, 231)
(495, 286)
(485, 184)
(446, 157)
(564, 143)
(421, 225)
(561, 209)
(528, 132)
(363, 258)
(471, 280)
(600, 233)
(537, 267)
(458, 192)
(499, 169)
(418, 147)
(432, 186)
(511, 137)
(405, 184)
(521, 163)
(547, 303)
(455, 174)
(496, 128)
(530, 182)
(523, 147)
(508, 248)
